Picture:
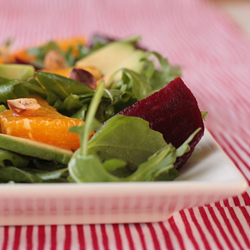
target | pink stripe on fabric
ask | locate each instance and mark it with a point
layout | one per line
(245, 149)
(227, 148)
(141, 236)
(167, 239)
(81, 239)
(236, 201)
(188, 230)
(229, 226)
(213, 53)
(129, 237)
(246, 215)
(67, 240)
(94, 237)
(53, 239)
(118, 239)
(235, 152)
(219, 226)
(203, 237)
(209, 227)
(105, 239)
(246, 198)
(238, 224)
(154, 236)
(29, 234)
(17, 237)
(6, 238)
(41, 237)
(177, 232)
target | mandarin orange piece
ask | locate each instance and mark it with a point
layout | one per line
(44, 125)
(73, 43)
(22, 56)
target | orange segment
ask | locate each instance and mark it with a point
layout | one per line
(64, 45)
(45, 125)
(23, 56)
(73, 43)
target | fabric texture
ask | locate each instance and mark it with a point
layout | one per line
(214, 55)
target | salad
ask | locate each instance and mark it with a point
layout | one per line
(103, 111)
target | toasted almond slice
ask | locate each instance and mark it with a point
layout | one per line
(21, 105)
(84, 77)
(54, 60)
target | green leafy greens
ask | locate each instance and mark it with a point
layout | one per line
(122, 149)
(119, 150)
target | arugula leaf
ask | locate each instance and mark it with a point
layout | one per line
(81, 113)
(131, 82)
(160, 162)
(13, 89)
(61, 86)
(29, 175)
(127, 138)
(88, 168)
(17, 175)
(151, 79)
(8, 158)
(158, 167)
(19, 168)
(70, 105)
(120, 143)
(204, 115)
(159, 78)
(47, 176)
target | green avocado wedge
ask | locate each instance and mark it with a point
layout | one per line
(35, 149)
(16, 71)
(114, 56)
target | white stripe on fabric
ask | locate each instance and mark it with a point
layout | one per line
(217, 231)
(236, 229)
(174, 239)
(180, 224)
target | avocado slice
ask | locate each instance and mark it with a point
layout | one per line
(35, 149)
(16, 71)
(114, 56)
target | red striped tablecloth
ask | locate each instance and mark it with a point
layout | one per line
(215, 57)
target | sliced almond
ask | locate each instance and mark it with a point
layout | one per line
(54, 60)
(24, 105)
(84, 77)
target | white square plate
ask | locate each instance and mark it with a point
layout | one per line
(208, 176)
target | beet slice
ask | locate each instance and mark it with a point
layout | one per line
(174, 112)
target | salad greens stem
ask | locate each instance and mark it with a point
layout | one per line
(91, 114)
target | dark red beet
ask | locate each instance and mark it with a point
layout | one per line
(174, 112)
